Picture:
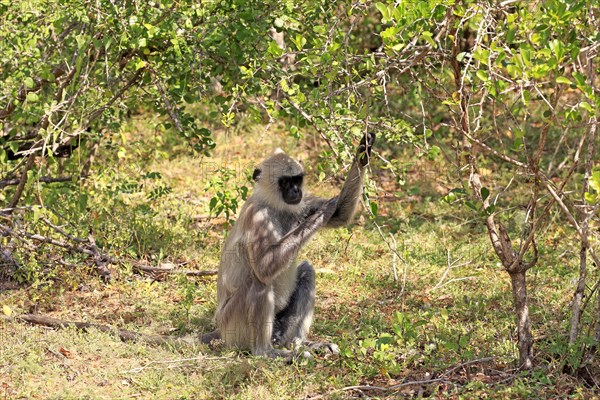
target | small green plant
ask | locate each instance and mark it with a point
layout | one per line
(226, 199)
(188, 292)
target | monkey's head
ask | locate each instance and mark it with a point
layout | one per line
(279, 180)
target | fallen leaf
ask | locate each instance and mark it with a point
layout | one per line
(65, 352)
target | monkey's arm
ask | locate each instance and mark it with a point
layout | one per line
(349, 197)
(269, 253)
(352, 189)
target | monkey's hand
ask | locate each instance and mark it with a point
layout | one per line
(363, 153)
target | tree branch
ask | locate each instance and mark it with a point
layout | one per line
(172, 270)
(43, 179)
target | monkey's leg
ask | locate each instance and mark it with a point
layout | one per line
(293, 322)
(207, 338)
(260, 316)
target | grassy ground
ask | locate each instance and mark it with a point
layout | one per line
(446, 319)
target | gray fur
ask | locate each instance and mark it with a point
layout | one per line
(262, 293)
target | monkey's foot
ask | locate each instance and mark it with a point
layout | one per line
(322, 347)
(307, 350)
(275, 353)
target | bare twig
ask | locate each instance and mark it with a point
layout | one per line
(43, 179)
(124, 335)
(44, 239)
(62, 231)
(176, 363)
(392, 388)
(170, 109)
(311, 121)
(444, 377)
(468, 363)
(172, 270)
(450, 265)
(394, 258)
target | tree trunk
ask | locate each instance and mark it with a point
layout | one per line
(578, 296)
(525, 341)
(597, 328)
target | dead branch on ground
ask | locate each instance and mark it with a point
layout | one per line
(124, 335)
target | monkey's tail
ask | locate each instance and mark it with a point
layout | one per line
(207, 338)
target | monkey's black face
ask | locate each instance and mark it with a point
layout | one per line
(290, 188)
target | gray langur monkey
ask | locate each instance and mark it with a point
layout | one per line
(263, 296)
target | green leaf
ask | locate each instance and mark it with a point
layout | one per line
(526, 56)
(300, 42)
(140, 64)
(471, 205)
(384, 10)
(428, 36)
(591, 198)
(587, 106)
(485, 193)
(29, 83)
(14, 146)
(213, 203)
(433, 152)
(37, 213)
(32, 97)
(563, 79)
(374, 208)
(83, 201)
(274, 49)
(278, 23)
(579, 77)
(594, 181)
(481, 74)
(510, 35)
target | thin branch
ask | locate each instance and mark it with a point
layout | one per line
(311, 120)
(394, 387)
(571, 219)
(468, 363)
(394, 258)
(62, 231)
(170, 363)
(536, 223)
(124, 335)
(22, 181)
(43, 179)
(170, 109)
(494, 152)
(442, 378)
(450, 265)
(44, 239)
(172, 270)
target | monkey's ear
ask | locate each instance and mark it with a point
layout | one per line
(256, 175)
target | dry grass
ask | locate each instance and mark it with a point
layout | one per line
(389, 331)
